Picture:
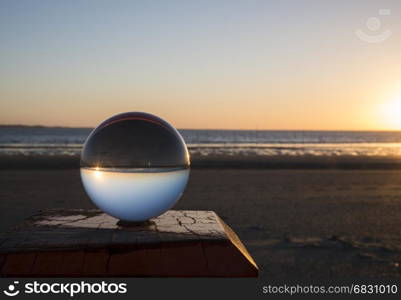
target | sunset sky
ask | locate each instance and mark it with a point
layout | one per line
(202, 64)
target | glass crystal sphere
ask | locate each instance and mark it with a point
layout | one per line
(134, 166)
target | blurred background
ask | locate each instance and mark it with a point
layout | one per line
(291, 111)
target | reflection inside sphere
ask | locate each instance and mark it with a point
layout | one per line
(135, 166)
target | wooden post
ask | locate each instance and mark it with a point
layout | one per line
(89, 243)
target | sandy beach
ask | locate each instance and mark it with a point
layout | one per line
(299, 224)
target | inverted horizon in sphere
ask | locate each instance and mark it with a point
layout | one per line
(134, 166)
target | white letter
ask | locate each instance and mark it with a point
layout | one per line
(28, 288)
(123, 288)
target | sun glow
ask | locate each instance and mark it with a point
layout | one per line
(98, 173)
(391, 114)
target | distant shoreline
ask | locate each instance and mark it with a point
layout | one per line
(8, 126)
(40, 126)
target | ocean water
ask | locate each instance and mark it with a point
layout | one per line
(134, 194)
(69, 141)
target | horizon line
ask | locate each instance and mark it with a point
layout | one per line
(221, 129)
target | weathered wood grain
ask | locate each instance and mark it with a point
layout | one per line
(83, 243)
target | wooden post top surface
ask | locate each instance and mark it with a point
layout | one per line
(196, 237)
(77, 228)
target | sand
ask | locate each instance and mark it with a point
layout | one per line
(343, 162)
(298, 224)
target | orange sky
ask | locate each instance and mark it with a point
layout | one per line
(246, 65)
